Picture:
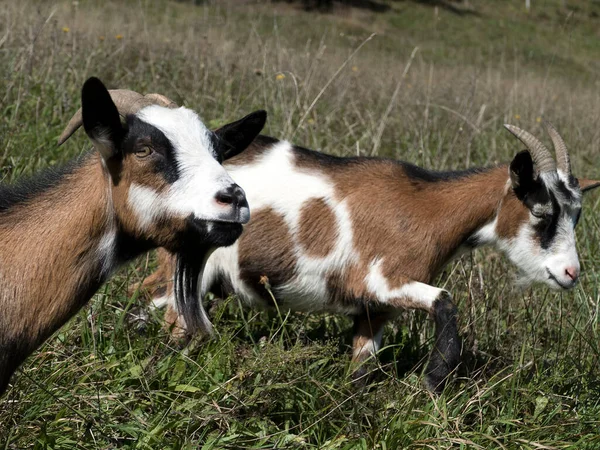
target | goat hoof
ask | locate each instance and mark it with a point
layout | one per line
(137, 318)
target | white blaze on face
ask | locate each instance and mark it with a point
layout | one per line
(200, 174)
(544, 249)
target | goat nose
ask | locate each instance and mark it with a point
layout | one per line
(572, 273)
(232, 195)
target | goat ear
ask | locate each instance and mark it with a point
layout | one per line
(522, 173)
(587, 185)
(101, 118)
(238, 135)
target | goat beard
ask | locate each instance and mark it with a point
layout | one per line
(189, 269)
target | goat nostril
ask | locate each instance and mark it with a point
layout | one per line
(239, 194)
(224, 197)
(572, 273)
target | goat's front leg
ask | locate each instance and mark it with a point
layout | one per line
(409, 294)
(368, 329)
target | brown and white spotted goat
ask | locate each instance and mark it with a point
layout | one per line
(153, 181)
(367, 236)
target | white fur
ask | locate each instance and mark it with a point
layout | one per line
(417, 293)
(161, 302)
(146, 203)
(107, 251)
(201, 176)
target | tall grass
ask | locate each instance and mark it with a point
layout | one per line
(530, 377)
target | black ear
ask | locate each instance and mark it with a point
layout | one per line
(101, 119)
(235, 137)
(522, 173)
(525, 183)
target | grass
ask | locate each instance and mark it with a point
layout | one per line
(530, 377)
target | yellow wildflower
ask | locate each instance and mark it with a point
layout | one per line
(517, 116)
(538, 119)
(354, 69)
(119, 37)
(66, 29)
(280, 76)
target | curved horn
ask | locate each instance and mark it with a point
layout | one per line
(161, 100)
(539, 153)
(126, 101)
(563, 162)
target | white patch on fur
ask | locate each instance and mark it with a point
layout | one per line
(146, 204)
(200, 175)
(418, 293)
(161, 302)
(487, 234)
(107, 250)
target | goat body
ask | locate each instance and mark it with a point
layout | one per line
(367, 236)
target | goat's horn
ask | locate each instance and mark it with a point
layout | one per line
(161, 100)
(539, 153)
(126, 101)
(563, 162)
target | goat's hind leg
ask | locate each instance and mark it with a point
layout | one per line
(445, 355)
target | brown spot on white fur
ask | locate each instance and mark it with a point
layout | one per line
(317, 232)
(266, 249)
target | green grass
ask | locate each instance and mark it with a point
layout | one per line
(530, 377)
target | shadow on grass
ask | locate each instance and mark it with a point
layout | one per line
(456, 7)
(328, 5)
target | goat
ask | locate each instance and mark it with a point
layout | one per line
(154, 181)
(367, 236)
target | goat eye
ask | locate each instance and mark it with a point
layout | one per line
(541, 215)
(143, 152)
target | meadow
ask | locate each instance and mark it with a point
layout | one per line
(422, 82)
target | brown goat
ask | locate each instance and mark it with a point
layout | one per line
(153, 181)
(367, 236)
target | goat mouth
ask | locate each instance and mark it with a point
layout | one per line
(552, 277)
(215, 233)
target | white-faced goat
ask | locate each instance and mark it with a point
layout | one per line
(153, 181)
(366, 236)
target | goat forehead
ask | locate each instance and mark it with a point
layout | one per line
(186, 132)
(563, 189)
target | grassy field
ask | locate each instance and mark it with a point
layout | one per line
(417, 82)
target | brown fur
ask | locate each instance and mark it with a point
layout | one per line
(48, 253)
(511, 216)
(266, 249)
(391, 210)
(160, 282)
(317, 229)
(366, 326)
